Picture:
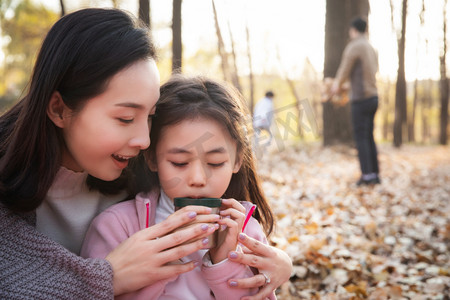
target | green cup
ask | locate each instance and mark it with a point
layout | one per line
(214, 203)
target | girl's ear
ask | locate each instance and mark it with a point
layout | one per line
(238, 163)
(151, 161)
(56, 109)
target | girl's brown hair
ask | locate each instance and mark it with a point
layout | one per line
(185, 98)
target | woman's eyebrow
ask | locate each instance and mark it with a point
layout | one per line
(130, 104)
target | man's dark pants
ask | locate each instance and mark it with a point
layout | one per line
(363, 114)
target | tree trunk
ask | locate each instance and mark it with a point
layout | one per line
(336, 119)
(177, 47)
(221, 45)
(444, 86)
(416, 97)
(63, 9)
(235, 73)
(385, 110)
(443, 136)
(144, 12)
(412, 116)
(298, 102)
(250, 72)
(297, 105)
(426, 100)
(400, 126)
(115, 3)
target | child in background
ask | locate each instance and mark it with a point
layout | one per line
(199, 149)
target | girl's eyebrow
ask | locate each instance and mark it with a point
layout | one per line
(177, 150)
(217, 150)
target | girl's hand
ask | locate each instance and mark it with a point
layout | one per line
(143, 258)
(271, 261)
(233, 217)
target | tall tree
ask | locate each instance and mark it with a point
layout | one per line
(4, 102)
(400, 121)
(412, 115)
(234, 73)
(144, 12)
(177, 47)
(116, 3)
(63, 9)
(385, 109)
(336, 119)
(220, 44)
(293, 89)
(26, 29)
(444, 85)
(250, 71)
(425, 111)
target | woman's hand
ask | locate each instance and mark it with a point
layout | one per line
(144, 258)
(271, 261)
(233, 214)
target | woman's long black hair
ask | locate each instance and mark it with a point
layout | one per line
(79, 55)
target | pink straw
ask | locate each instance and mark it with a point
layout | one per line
(250, 212)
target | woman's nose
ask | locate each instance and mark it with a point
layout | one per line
(141, 137)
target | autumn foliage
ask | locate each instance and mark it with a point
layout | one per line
(389, 241)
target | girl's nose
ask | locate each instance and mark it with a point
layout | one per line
(197, 175)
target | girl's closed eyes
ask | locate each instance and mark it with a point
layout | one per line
(179, 164)
(184, 164)
(217, 165)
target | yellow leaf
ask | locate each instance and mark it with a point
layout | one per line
(317, 244)
(293, 238)
(312, 228)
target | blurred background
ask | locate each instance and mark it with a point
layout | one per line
(391, 241)
(287, 46)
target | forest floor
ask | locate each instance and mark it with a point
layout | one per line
(389, 241)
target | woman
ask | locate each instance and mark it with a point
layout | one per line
(64, 152)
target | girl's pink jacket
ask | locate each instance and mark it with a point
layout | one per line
(120, 221)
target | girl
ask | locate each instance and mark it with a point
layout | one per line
(200, 149)
(64, 151)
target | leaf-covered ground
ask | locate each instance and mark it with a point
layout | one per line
(389, 241)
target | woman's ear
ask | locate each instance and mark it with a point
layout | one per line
(56, 109)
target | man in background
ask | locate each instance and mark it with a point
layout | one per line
(360, 64)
